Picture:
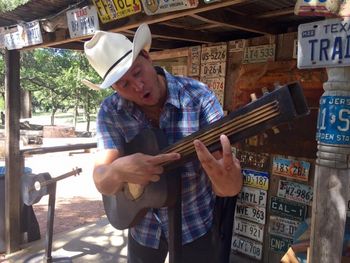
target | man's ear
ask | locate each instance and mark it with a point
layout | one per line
(146, 55)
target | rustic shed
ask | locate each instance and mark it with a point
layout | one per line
(237, 26)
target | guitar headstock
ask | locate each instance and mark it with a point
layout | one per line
(76, 171)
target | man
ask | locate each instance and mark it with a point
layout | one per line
(147, 96)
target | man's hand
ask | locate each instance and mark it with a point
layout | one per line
(112, 171)
(224, 171)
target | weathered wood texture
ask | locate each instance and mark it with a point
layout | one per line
(12, 161)
(331, 194)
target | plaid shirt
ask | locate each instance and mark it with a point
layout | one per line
(189, 107)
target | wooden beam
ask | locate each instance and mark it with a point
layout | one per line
(226, 19)
(14, 167)
(186, 35)
(167, 54)
(132, 22)
(281, 12)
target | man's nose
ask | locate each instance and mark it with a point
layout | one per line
(138, 85)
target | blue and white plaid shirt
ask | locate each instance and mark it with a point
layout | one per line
(190, 106)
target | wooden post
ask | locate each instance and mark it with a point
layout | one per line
(14, 167)
(332, 175)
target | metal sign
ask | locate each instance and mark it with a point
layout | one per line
(256, 179)
(247, 247)
(300, 193)
(291, 168)
(255, 214)
(110, 10)
(280, 244)
(217, 85)
(214, 54)
(283, 226)
(213, 69)
(252, 196)
(82, 21)
(25, 34)
(153, 7)
(260, 161)
(249, 229)
(194, 60)
(333, 123)
(257, 54)
(287, 208)
(324, 43)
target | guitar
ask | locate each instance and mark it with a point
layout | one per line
(35, 186)
(279, 106)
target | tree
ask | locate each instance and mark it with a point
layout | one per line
(54, 78)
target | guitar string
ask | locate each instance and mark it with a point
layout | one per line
(237, 119)
(227, 129)
(189, 151)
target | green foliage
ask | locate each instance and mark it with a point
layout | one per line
(54, 78)
(9, 5)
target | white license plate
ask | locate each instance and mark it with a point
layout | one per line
(283, 226)
(300, 193)
(255, 214)
(213, 69)
(247, 247)
(253, 196)
(248, 229)
(257, 54)
(214, 54)
(324, 43)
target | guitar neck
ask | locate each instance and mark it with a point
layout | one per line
(282, 105)
(60, 177)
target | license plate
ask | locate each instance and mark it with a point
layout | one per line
(291, 168)
(214, 54)
(249, 229)
(255, 214)
(153, 7)
(300, 193)
(255, 179)
(287, 208)
(253, 196)
(82, 21)
(247, 247)
(213, 69)
(324, 43)
(280, 244)
(335, 128)
(259, 54)
(109, 10)
(283, 226)
(259, 161)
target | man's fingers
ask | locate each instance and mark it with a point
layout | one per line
(204, 156)
(228, 158)
(163, 158)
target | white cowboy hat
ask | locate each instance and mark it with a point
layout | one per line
(112, 54)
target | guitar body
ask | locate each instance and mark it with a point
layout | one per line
(123, 212)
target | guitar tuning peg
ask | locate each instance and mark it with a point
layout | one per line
(253, 96)
(264, 90)
(275, 130)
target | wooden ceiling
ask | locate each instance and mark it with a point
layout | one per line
(218, 21)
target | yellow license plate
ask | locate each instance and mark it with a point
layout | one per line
(109, 10)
